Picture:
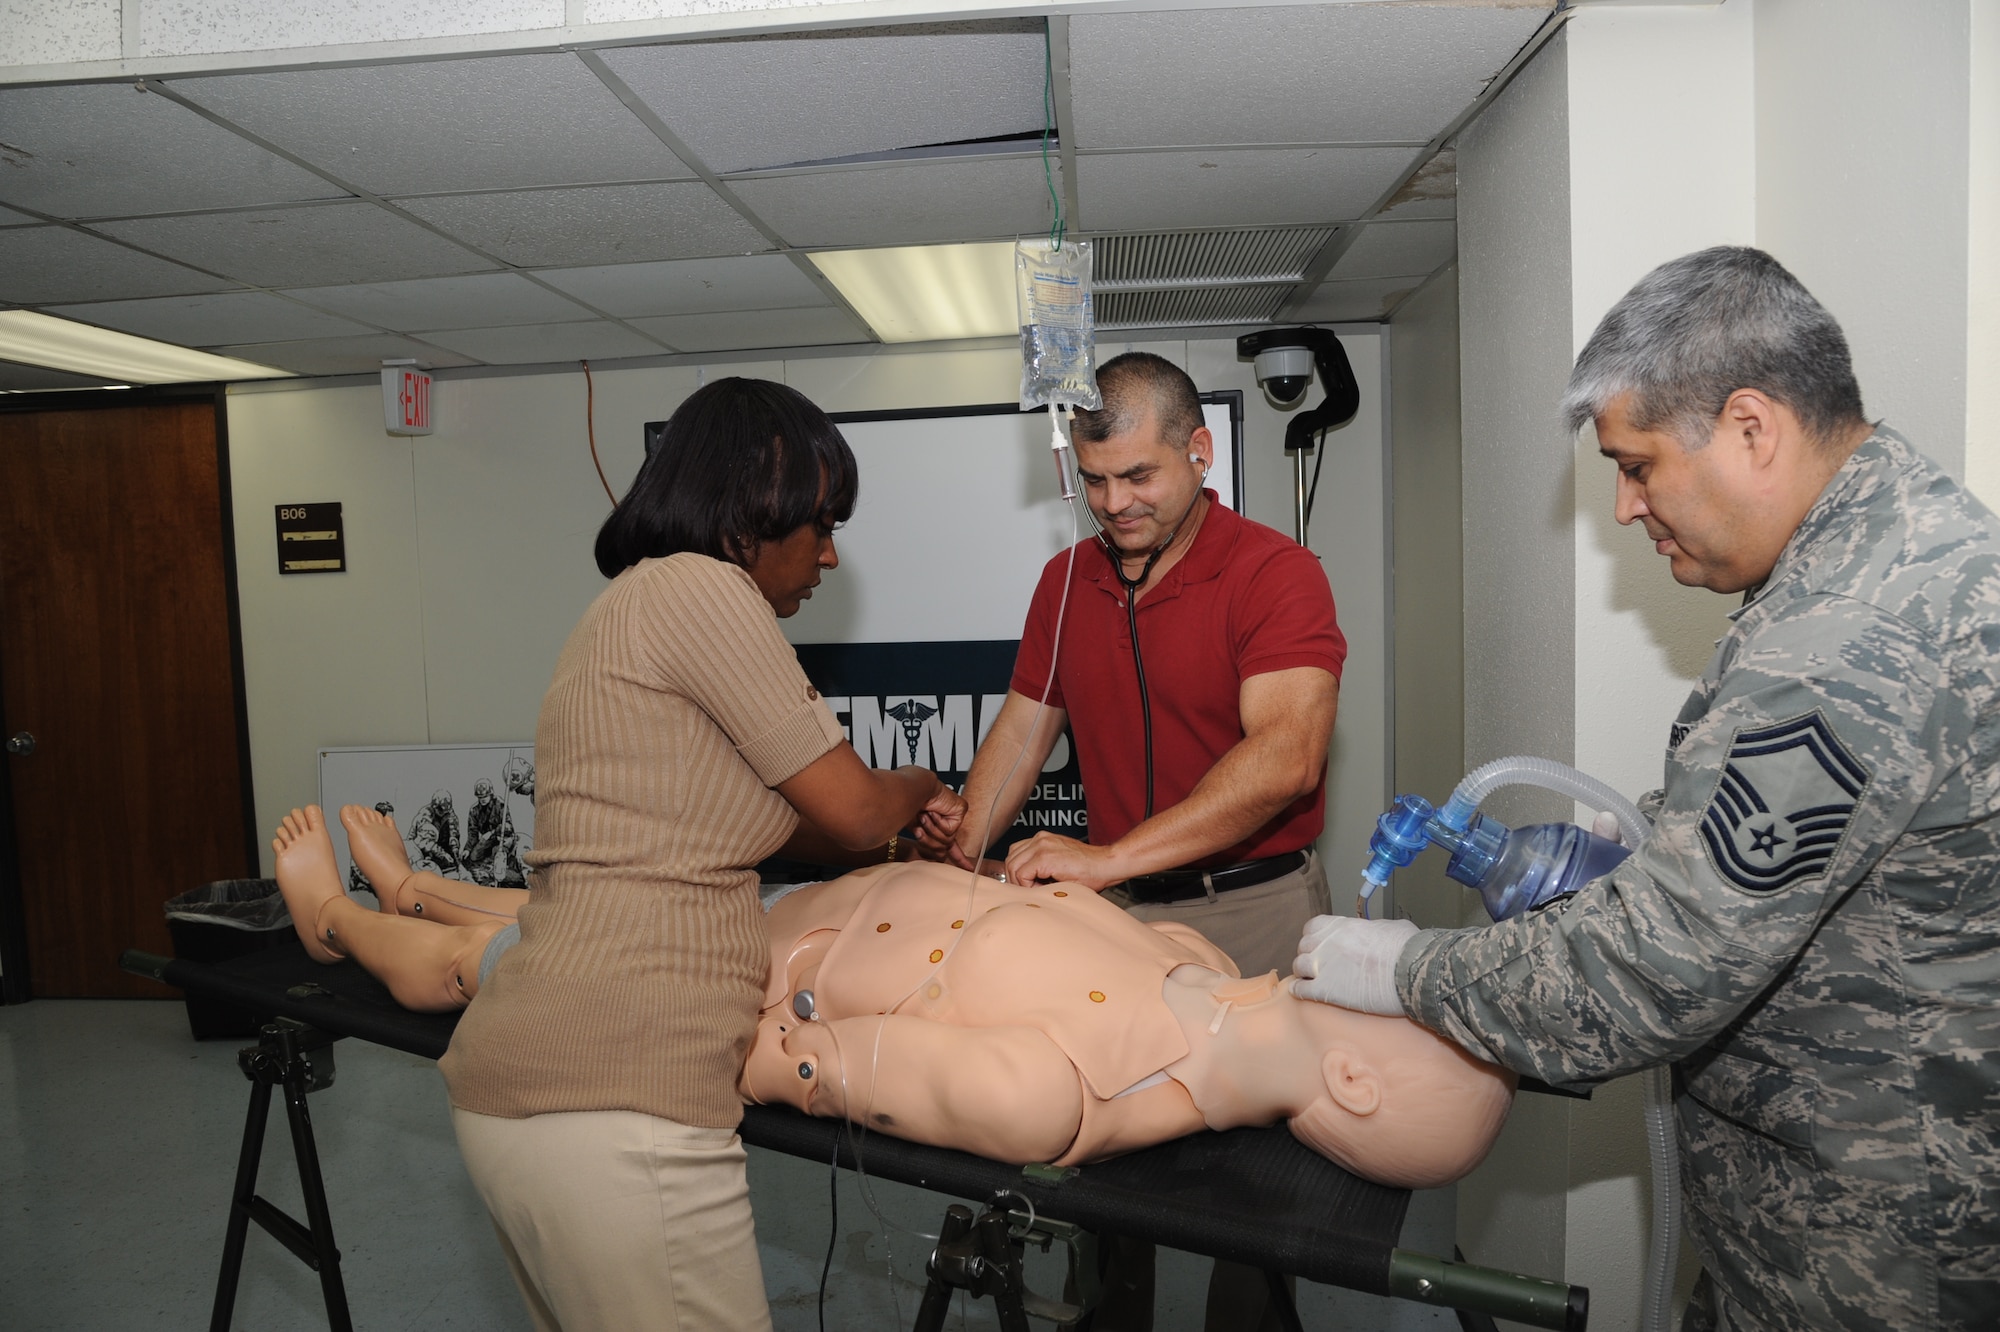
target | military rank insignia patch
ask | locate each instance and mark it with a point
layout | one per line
(1787, 794)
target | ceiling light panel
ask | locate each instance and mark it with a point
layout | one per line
(595, 340)
(496, 123)
(103, 149)
(597, 225)
(346, 356)
(210, 321)
(477, 300)
(1234, 187)
(926, 293)
(302, 247)
(39, 265)
(749, 330)
(39, 339)
(908, 203)
(16, 378)
(745, 103)
(1397, 249)
(690, 286)
(1349, 72)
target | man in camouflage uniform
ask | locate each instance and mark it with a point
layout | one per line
(1811, 935)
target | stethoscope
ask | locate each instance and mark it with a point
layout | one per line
(1132, 586)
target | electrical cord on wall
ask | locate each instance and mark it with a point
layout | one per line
(590, 428)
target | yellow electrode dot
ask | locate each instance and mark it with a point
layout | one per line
(958, 924)
(1097, 996)
(1060, 893)
(934, 992)
(937, 954)
(883, 928)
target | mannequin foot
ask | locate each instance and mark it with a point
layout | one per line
(309, 879)
(378, 849)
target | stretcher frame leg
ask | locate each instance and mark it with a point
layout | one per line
(283, 1059)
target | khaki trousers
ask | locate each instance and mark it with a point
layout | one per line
(617, 1221)
(1258, 926)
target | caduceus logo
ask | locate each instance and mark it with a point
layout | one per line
(913, 715)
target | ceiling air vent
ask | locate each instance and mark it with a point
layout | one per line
(1170, 279)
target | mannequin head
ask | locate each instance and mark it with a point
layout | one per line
(1401, 1104)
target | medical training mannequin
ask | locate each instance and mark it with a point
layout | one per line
(1058, 1029)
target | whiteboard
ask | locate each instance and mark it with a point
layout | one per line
(959, 510)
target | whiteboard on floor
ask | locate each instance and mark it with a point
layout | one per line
(959, 510)
(411, 779)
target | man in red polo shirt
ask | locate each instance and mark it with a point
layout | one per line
(1238, 664)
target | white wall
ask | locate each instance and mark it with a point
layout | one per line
(1863, 119)
(469, 550)
(1982, 232)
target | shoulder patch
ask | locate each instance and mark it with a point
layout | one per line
(1786, 796)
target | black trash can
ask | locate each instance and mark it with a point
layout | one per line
(216, 922)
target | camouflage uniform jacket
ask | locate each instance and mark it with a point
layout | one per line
(1812, 932)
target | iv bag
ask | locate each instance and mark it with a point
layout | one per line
(1058, 351)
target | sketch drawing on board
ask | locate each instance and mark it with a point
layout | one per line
(465, 811)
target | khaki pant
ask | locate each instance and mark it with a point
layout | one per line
(1258, 926)
(620, 1221)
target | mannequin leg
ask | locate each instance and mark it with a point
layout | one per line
(431, 968)
(378, 849)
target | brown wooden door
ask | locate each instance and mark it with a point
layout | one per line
(116, 655)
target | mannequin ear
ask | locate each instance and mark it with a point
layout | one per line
(1351, 1081)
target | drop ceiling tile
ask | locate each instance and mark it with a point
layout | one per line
(1397, 249)
(203, 321)
(743, 330)
(1431, 192)
(56, 34)
(1233, 187)
(43, 264)
(1348, 72)
(690, 286)
(479, 300)
(1334, 302)
(809, 96)
(303, 247)
(596, 339)
(907, 203)
(18, 378)
(190, 27)
(597, 225)
(497, 123)
(342, 356)
(101, 149)
(10, 218)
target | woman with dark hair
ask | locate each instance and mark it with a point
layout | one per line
(594, 1083)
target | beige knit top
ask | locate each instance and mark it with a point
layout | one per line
(676, 707)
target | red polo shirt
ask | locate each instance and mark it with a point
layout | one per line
(1244, 600)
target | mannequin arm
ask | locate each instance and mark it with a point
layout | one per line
(1005, 1093)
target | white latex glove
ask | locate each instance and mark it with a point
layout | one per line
(1352, 963)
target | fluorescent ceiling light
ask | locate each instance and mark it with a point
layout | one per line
(928, 293)
(64, 344)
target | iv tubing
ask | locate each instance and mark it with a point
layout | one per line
(1663, 1253)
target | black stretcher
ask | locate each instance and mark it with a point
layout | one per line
(1253, 1196)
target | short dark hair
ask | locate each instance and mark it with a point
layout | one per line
(1700, 327)
(1133, 385)
(741, 462)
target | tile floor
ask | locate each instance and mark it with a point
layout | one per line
(118, 1142)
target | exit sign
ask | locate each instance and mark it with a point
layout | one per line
(406, 399)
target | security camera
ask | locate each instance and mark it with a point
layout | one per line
(1285, 359)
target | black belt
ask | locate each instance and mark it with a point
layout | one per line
(1178, 885)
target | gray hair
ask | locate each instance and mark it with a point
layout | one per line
(1135, 384)
(1698, 328)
